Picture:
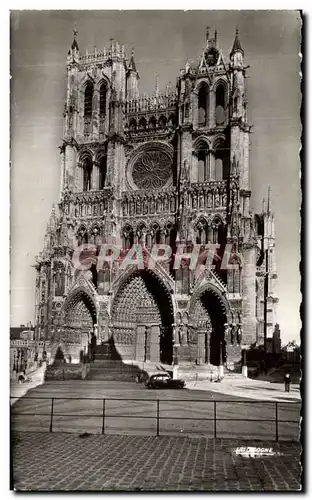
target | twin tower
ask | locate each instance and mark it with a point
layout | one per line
(170, 168)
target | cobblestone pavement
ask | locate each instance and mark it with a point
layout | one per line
(58, 462)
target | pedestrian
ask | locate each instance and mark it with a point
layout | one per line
(287, 381)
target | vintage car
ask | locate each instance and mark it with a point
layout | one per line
(163, 381)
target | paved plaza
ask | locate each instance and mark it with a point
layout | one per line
(45, 462)
(132, 409)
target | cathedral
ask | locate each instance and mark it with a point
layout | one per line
(169, 168)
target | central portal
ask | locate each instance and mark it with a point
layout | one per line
(142, 317)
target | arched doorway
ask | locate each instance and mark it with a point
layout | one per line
(80, 315)
(142, 319)
(208, 318)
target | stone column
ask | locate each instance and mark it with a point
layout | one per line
(212, 166)
(162, 237)
(94, 176)
(209, 161)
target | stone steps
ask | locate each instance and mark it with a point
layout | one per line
(110, 369)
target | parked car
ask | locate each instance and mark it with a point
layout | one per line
(164, 381)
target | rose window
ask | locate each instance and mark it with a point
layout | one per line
(152, 170)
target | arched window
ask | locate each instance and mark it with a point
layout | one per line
(220, 104)
(218, 231)
(128, 237)
(88, 97)
(170, 235)
(142, 123)
(156, 234)
(141, 231)
(222, 161)
(203, 106)
(172, 121)
(202, 232)
(95, 236)
(87, 174)
(82, 236)
(221, 233)
(103, 92)
(102, 171)
(202, 161)
(162, 122)
(132, 125)
(152, 123)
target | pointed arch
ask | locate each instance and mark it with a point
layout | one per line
(87, 173)
(162, 122)
(95, 234)
(88, 98)
(127, 236)
(140, 232)
(221, 102)
(152, 123)
(142, 123)
(142, 298)
(203, 104)
(202, 155)
(132, 125)
(75, 298)
(170, 234)
(222, 158)
(201, 231)
(172, 120)
(103, 98)
(101, 159)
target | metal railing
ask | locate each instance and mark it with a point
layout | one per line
(157, 415)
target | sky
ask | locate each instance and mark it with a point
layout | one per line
(163, 41)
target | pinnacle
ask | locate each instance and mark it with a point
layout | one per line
(75, 44)
(237, 44)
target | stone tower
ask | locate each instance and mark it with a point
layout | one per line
(169, 169)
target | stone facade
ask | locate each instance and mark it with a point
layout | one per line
(173, 169)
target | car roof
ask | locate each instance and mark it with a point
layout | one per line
(159, 373)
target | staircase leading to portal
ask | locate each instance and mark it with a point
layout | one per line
(108, 365)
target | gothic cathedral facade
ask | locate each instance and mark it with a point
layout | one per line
(172, 169)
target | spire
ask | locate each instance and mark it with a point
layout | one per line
(157, 85)
(216, 37)
(132, 61)
(237, 45)
(75, 44)
(269, 201)
(207, 34)
(263, 206)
